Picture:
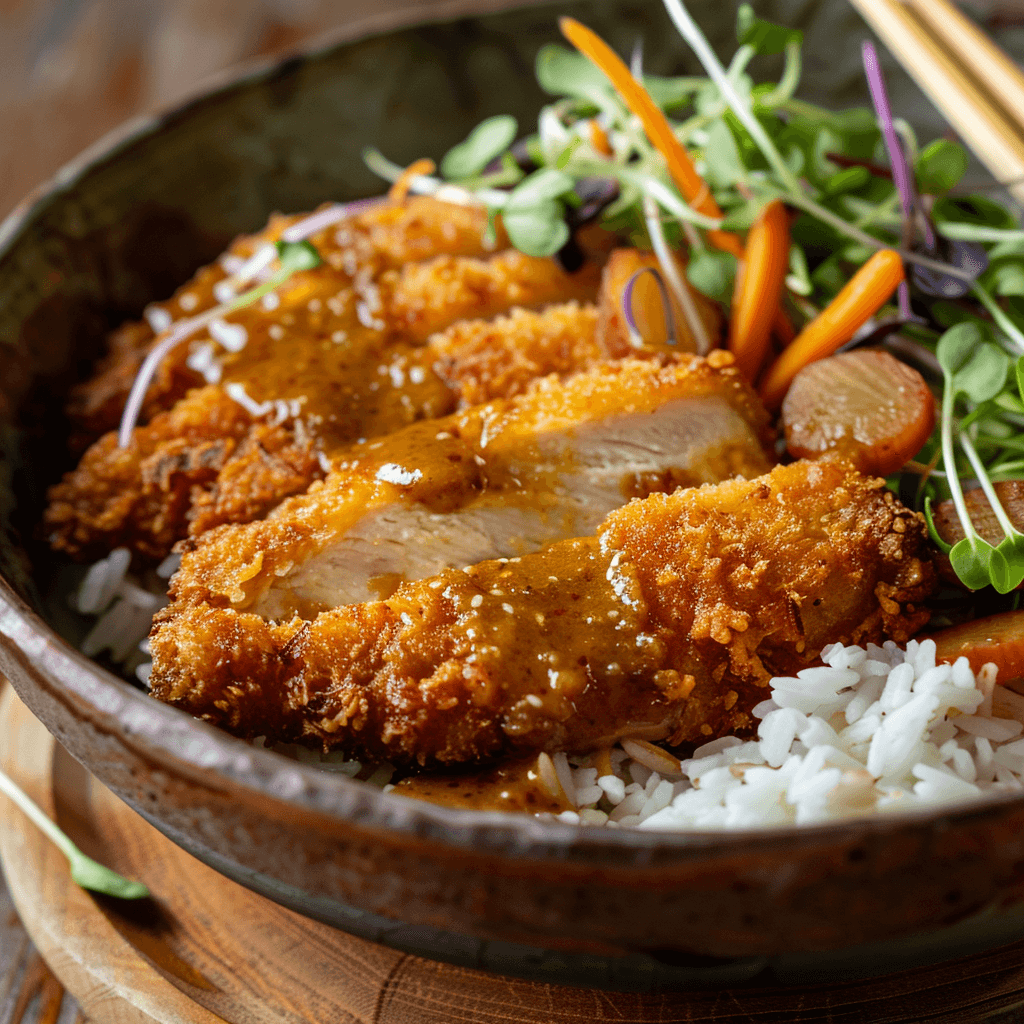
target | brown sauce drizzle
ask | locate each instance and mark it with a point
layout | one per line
(511, 786)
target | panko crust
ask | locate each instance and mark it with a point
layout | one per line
(667, 625)
(235, 467)
(238, 563)
(384, 237)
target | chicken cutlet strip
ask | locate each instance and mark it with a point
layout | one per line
(502, 478)
(666, 625)
(387, 236)
(335, 375)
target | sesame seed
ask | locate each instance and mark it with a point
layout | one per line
(508, 608)
(477, 601)
(534, 701)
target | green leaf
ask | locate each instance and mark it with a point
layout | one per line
(540, 187)
(712, 273)
(940, 166)
(487, 140)
(722, 155)
(1005, 276)
(295, 256)
(847, 180)
(970, 559)
(763, 36)
(974, 210)
(671, 92)
(564, 72)
(538, 230)
(1020, 376)
(956, 346)
(1007, 565)
(984, 375)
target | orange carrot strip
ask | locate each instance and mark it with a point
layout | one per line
(599, 138)
(400, 189)
(655, 124)
(862, 296)
(759, 284)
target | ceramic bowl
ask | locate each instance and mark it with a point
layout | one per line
(125, 225)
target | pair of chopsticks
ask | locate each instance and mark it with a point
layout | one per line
(978, 89)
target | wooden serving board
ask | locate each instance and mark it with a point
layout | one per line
(204, 949)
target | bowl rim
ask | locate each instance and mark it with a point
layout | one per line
(196, 747)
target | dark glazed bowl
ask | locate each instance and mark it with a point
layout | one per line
(122, 227)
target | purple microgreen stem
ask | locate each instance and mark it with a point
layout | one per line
(901, 174)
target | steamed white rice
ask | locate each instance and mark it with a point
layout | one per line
(873, 730)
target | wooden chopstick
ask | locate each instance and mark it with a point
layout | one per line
(974, 85)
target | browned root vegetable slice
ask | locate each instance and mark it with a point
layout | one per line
(997, 638)
(866, 405)
(1011, 497)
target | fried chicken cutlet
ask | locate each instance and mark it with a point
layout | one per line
(502, 478)
(229, 452)
(667, 624)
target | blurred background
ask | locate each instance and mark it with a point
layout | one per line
(70, 70)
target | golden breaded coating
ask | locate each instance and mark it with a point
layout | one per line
(548, 458)
(487, 359)
(666, 625)
(346, 368)
(386, 236)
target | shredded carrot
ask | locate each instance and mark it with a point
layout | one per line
(863, 295)
(400, 190)
(599, 138)
(655, 124)
(758, 289)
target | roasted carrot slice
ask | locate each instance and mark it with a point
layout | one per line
(863, 296)
(866, 405)
(758, 289)
(655, 125)
(997, 638)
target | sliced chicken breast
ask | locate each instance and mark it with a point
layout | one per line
(666, 625)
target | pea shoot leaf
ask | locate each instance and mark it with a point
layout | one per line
(940, 166)
(490, 138)
(539, 230)
(722, 155)
(564, 72)
(974, 366)
(295, 256)
(971, 558)
(973, 210)
(763, 36)
(1006, 566)
(712, 273)
(540, 187)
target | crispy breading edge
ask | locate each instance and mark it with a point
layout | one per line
(321, 682)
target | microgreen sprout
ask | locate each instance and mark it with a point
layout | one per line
(694, 161)
(84, 870)
(292, 257)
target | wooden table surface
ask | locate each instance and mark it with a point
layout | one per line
(29, 993)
